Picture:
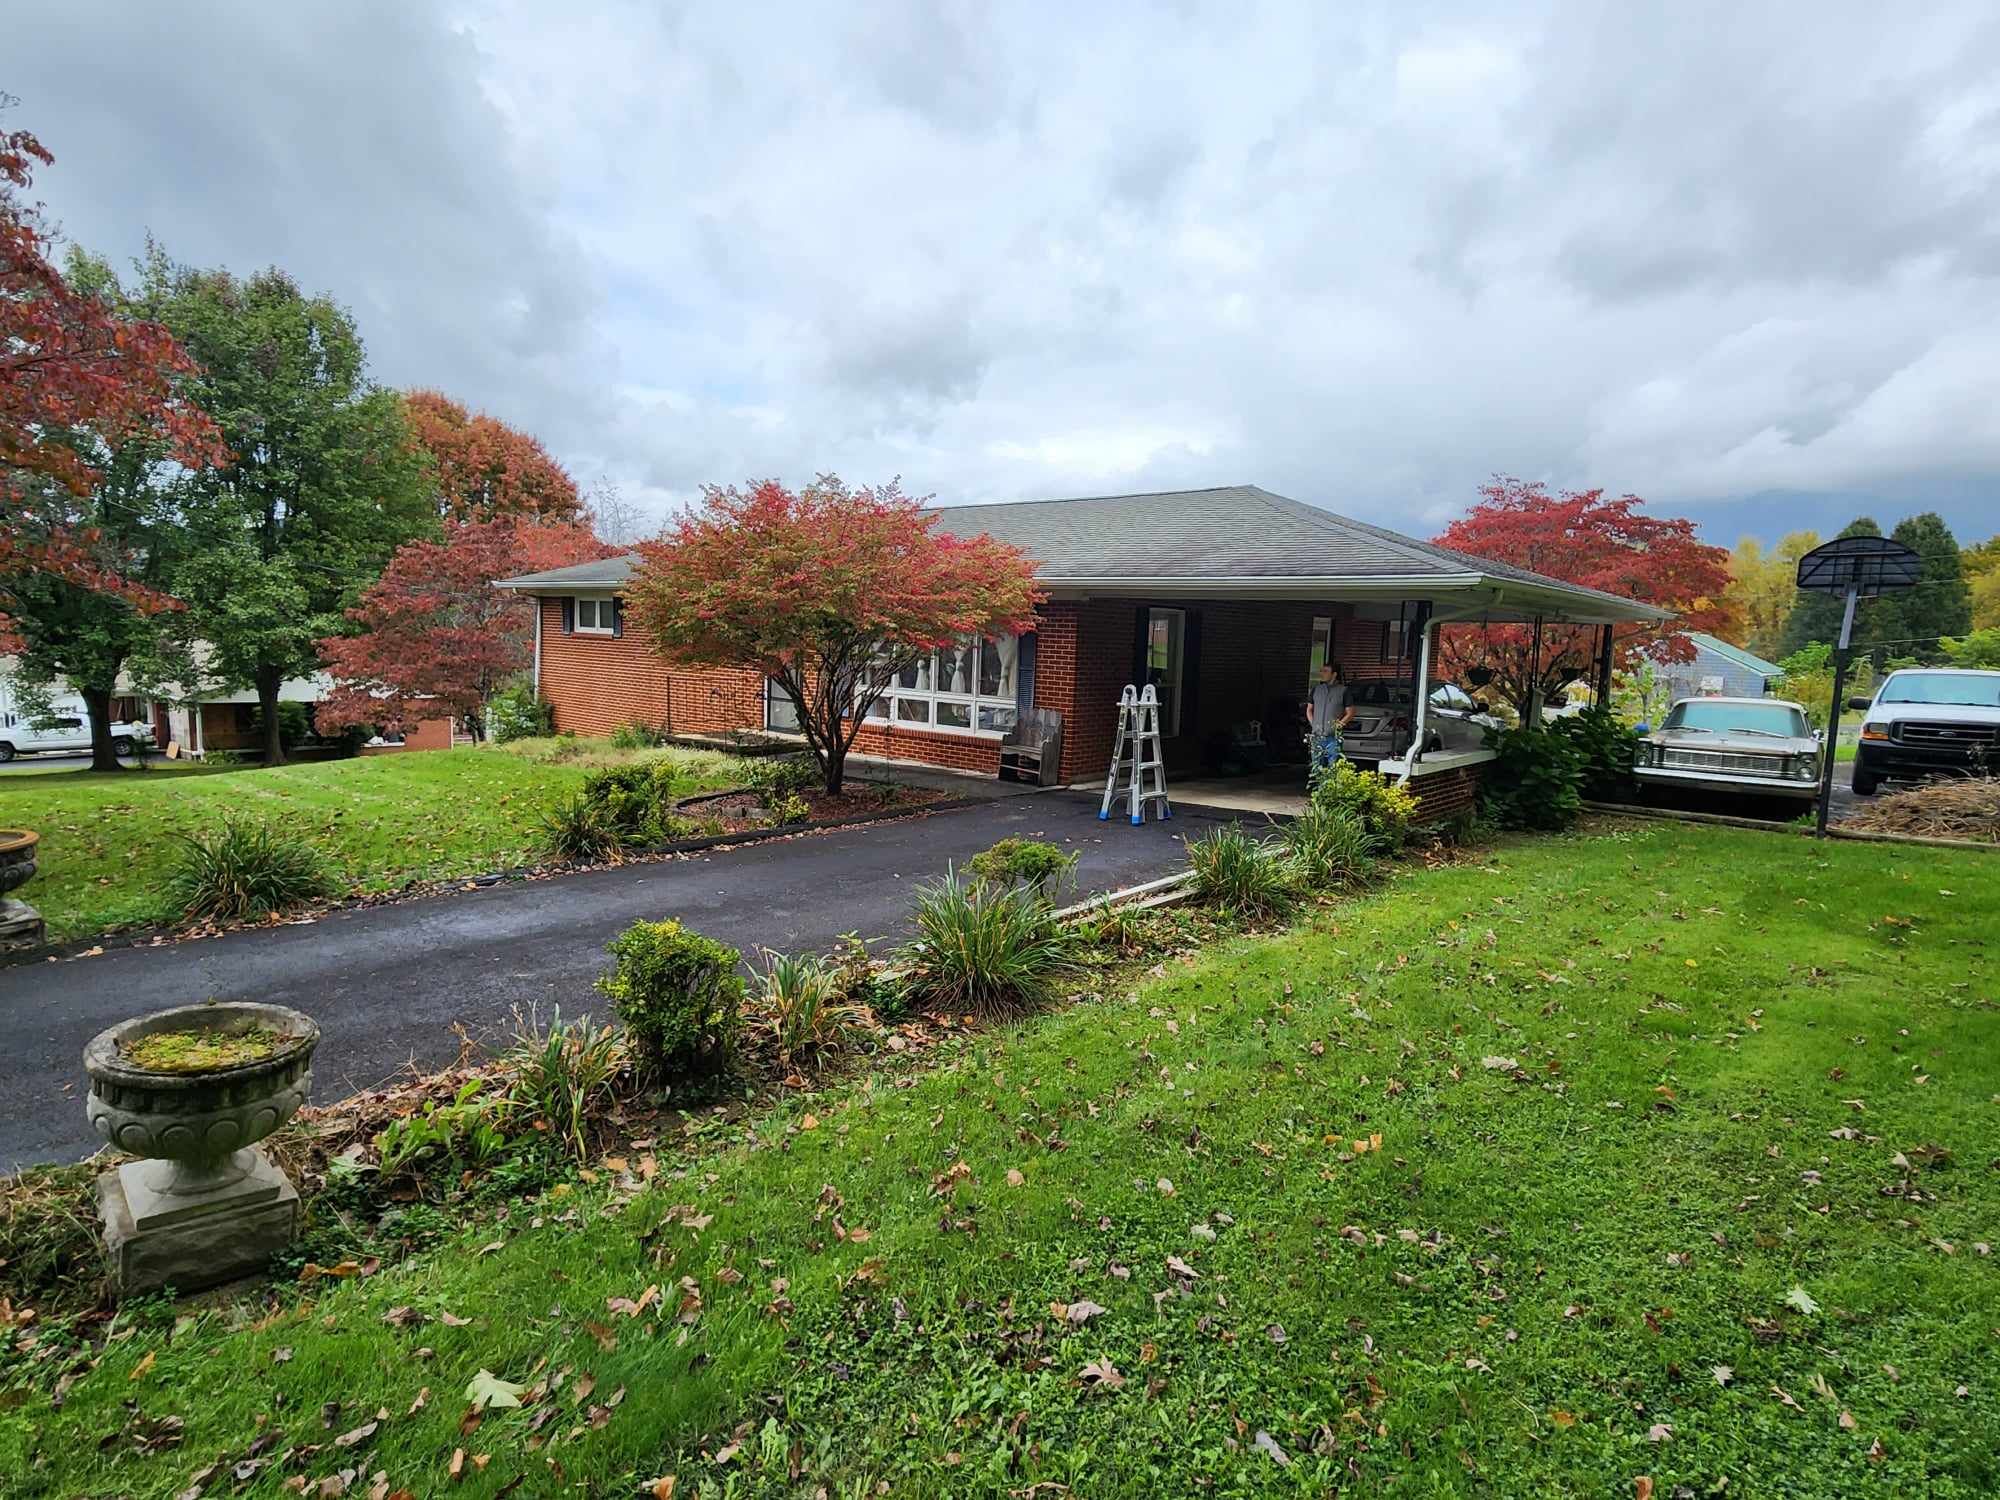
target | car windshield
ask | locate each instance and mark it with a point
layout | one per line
(1718, 717)
(1976, 689)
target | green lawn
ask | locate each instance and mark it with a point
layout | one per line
(1685, 1170)
(384, 820)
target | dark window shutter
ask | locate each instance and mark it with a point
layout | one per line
(569, 616)
(617, 616)
(1024, 674)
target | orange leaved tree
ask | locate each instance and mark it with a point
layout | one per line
(828, 591)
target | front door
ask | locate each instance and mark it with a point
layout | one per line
(1169, 658)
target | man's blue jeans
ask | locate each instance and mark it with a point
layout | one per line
(1326, 749)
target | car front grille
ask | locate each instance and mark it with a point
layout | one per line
(1724, 760)
(1950, 736)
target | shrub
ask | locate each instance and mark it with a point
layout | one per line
(800, 1004)
(563, 1073)
(1608, 749)
(988, 949)
(1243, 875)
(779, 775)
(1329, 848)
(678, 995)
(242, 870)
(519, 713)
(1034, 863)
(576, 828)
(786, 807)
(1384, 807)
(1536, 782)
(636, 802)
(633, 735)
(465, 1130)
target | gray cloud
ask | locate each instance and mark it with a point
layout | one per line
(1364, 255)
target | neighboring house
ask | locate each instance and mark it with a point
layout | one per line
(1720, 670)
(224, 721)
(127, 707)
(1226, 599)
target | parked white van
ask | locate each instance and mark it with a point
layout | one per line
(67, 733)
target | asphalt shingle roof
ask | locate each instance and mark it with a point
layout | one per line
(1231, 531)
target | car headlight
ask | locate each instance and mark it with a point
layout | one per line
(1806, 768)
(1874, 731)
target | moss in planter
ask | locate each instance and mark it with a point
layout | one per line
(202, 1049)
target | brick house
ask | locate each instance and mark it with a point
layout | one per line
(1227, 599)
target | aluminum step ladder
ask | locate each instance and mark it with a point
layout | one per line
(1136, 762)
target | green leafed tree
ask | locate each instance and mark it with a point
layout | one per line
(1911, 622)
(322, 484)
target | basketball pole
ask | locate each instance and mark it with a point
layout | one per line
(1840, 656)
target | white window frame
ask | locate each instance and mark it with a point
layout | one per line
(988, 715)
(601, 609)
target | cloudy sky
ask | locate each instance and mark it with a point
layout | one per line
(1742, 260)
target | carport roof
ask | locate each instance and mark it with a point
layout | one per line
(1234, 541)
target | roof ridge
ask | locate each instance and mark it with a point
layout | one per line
(1333, 520)
(1207, 489)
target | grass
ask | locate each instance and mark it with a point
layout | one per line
(1658, 1151)
(382, 821)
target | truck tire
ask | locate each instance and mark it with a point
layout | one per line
(6, 751)
(1864, 784)
(123, 745)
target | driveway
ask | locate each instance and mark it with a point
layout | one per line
(387, 983)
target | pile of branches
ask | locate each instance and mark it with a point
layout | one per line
(1964, 808)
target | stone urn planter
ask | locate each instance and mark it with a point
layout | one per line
(20, 923)
(206, 1204)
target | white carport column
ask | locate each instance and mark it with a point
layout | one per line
(1421, 718)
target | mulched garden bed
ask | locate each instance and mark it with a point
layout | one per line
(1967, 808)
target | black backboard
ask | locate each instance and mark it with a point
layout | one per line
(1872, 564)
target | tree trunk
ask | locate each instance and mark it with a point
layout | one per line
(834, 762)
(97, 703)
(269, 680)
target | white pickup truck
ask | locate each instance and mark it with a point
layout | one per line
(67, 734)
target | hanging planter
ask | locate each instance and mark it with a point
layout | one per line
(1479, 677)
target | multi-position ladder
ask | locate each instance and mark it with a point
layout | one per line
(1135, 757)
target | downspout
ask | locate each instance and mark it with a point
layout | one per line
(538, 647)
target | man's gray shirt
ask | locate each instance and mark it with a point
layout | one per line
(1329, 702)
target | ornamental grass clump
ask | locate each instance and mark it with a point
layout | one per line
(987, 949)
(242, 870)
(564, 1074)
(1243, 875)
(1329, 849)
(802, 1006)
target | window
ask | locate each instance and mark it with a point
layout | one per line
(1322, 649)
(1166, 632)
(780, 713)
(975, 684)
(596, 616)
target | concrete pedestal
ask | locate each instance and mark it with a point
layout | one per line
(20, 925)
(158, 1240)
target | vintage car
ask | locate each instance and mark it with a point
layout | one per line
(1760, 747)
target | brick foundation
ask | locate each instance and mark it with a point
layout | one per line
(1445, 794)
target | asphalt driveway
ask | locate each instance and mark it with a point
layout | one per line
(387, 983)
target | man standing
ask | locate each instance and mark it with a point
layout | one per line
(1327, 714)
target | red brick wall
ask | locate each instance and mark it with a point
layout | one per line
(598, 682)
(430, 734)
(1445, 794)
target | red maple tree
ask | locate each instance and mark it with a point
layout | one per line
(77, 379)
(435, 638)
(828, 591)
(1581, 537)
(486, 469)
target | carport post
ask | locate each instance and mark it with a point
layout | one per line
(1420, 694)
(1604, 668)
(1534, 714)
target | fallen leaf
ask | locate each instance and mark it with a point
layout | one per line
(1723, 1374)
(1083, 1311)
(488, 1389)
(1562, 1418)
(1847, 1423)
(662, 1488)
(1265, 1443)
(455, 1470)
(1100, 1374)
(359, 1435)
(139, 1370)
(1659, 1432)
(1800, 1298)
(1014, 1177)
